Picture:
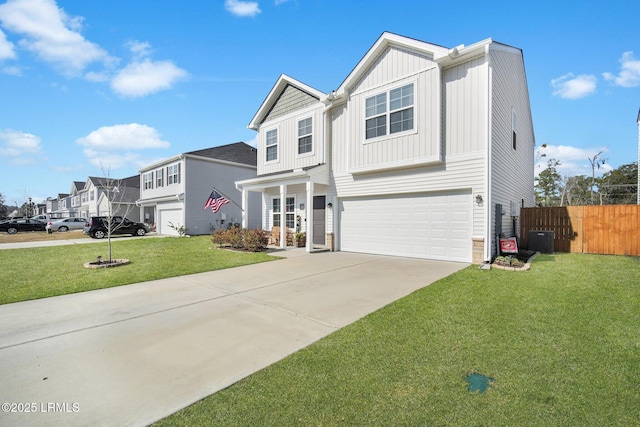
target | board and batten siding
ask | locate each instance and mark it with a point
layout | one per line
(287, 126)
(512, 170)
(465, 107)
(395, 68)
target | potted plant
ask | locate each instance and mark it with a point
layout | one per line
(300, 239)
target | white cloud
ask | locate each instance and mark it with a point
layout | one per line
(19, 148)
(139, 49)
(570, 86)
(629, 75)
(7, 50)
(279, 2)
(146, 77)
(573, 160)
(114, 147)
(51, 34)
(242, 8)
(123, 137)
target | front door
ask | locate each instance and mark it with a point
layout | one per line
(319, 225)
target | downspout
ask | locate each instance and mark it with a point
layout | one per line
(488, 169)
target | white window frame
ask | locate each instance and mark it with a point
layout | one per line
(383, 98)
(268, 145)
(290, 212)
(159, 178)
(276, 213)
(308, 133)
(147, 181)
(173, 174)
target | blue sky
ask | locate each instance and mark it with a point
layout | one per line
(113, 85)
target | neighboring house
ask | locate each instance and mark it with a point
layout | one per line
(118, 197)
(423, 151)
(97, 191)
(174, 191)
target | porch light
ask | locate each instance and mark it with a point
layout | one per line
(479, 199)
(329, 205)
(301, 206)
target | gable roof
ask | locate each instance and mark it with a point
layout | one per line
(238, 152)
(274, 95)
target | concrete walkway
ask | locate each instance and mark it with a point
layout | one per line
(135, 354)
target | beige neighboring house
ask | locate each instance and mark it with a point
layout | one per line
(422, 151)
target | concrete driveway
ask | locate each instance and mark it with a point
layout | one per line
(134, 354)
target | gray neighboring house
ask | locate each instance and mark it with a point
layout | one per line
(173, 192)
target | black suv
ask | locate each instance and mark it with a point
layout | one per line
(98, 229)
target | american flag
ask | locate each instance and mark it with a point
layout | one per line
(215, 201)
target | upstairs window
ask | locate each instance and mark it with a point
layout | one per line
(398, 117)
(173, 174)
(272, 145)
(147, 181)
(159, 178)
(305, 130)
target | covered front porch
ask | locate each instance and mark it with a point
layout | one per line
(295, 205)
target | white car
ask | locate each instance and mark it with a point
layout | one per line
(66, 224)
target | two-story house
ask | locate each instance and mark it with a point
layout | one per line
(422, 151)
(173, 192)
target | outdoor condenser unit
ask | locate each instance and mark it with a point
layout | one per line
(541, 241)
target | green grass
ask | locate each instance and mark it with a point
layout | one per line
(49, 271)
(562, 342)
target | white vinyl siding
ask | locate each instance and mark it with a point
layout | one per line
(289, 141)
(512, 170)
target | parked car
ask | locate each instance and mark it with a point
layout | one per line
(98, 229)
(42, 217)
(14, 225)
(66, 224)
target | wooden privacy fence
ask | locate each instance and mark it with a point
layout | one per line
(611, 229)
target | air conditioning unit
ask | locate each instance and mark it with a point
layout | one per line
(541, 241)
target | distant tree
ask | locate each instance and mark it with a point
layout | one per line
(596, 162)
(619, 186)
(4, 210)
(576, 191)
(547, 185)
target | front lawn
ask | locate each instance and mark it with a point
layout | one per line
(49, 271)
(561, 341)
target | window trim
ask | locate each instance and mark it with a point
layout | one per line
(276, 144)
(159, 178)
(388, 112)
(282, 212)
(173, 178)
(147, 181)
(306, 135)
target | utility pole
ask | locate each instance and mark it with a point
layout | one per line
(595, 161)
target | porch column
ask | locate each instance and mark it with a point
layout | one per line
(283, 216)
(309, 243)
(245, 208)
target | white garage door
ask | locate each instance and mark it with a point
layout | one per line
(417, 225)
(166, 216)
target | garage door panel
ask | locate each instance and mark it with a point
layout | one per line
(417, 225)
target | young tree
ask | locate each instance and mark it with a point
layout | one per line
(547, 185)
(115, 193)
(4, 210)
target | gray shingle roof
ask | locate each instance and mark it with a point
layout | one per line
(238, 152)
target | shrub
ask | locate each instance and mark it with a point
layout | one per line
(255, 240)
(250, 240)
